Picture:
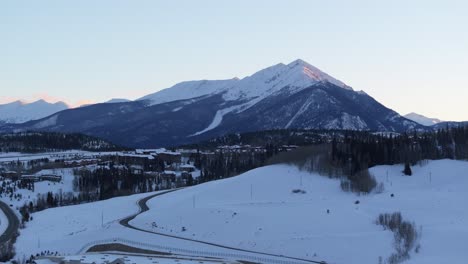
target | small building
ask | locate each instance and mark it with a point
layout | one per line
(187, 168)
(168, 173)
(287, 148)
(50, 177)
(170, 157)
(137, 169)
(81, 162)
(29, 178)
(147, 162)
(167, 179)
(10, 174)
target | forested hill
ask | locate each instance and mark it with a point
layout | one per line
(337, 154)
(371, 148)
(278, 137)
(33, 142)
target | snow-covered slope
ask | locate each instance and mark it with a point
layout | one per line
(19, 112)
(423, 120)
(190, 89)
(117, 100)
(295, 75)
(259, 211)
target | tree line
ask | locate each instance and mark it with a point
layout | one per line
(36, 142)
(349, 155)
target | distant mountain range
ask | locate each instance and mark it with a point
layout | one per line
(20, 112)
(118, 100)
(423, 120)
(294, 95)
(433, 123)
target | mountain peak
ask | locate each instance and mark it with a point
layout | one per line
(19, 111)
(40, 101)
(299, 62)
(294, 77)
(314, 73)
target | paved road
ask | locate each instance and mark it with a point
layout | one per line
(144, 207)
(13, 223)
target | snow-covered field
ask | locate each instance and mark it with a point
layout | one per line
(66, 154)
(259, 211)
(67, 229)
(435, 199)
(109, 258)
(275, 220)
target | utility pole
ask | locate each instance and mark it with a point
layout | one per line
(251, 191)
(102, 218)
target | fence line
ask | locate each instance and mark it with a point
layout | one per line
(192, 253)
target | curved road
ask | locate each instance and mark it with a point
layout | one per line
(13, 223)
(144, 207)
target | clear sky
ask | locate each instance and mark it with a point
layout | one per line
(409, 55)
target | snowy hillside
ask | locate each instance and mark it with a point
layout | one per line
(276, 220)
(19, 112)
(259, 211)
(190, 89)
(423, 120)
(117, 100)
(295, 75)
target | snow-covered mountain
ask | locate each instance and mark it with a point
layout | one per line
(296, 76)
(20, 112)
(423, 120)
(117, 100)
(294, 95)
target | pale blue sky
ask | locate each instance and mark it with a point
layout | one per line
(409, 55)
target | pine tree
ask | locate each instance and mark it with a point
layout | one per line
(407, 170)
